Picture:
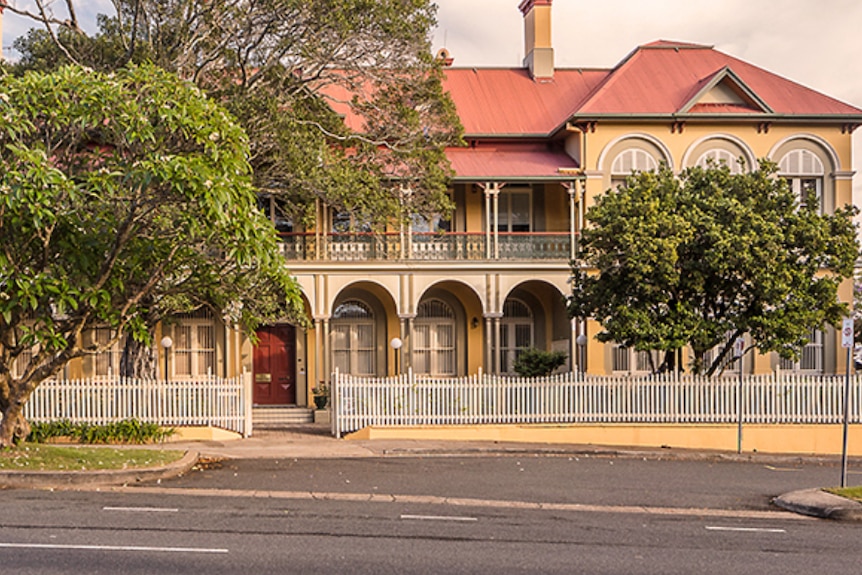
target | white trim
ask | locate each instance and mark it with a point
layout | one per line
(668, 157)
(750, 158)
(824, 145)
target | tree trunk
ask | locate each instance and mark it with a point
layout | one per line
(137, 360)
(13, 426)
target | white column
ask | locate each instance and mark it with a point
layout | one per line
(496, 196)
(573, 200)
(487, 189)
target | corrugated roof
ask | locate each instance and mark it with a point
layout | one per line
(510, 161)
(660, 77)
(507, 101)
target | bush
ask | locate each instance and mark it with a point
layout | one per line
(125, 431)
(534, 362)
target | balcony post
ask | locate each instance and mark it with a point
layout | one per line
(571, 188)
(487, 190)
(496, 195)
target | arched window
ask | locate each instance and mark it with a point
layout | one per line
(719, 157)
(811, 356)
(804, 172)
(353, 338)
(628, 161)
(434, 339)
(516, 333)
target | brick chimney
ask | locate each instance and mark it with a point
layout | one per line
(537, 38)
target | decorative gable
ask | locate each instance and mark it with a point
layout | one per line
(724, 93)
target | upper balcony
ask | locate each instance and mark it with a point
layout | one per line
(429, 246)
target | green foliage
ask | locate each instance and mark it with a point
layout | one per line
(534, 362)
(125, 431)
(673, 261)
(126, 197)
(341, 99)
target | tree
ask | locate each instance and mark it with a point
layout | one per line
(126, 197)
(342, 100)
(701, 259)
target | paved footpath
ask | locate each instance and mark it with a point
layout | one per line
(315, 441)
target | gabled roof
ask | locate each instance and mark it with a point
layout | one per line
(666, 78)
(663, 78)
(508, 102)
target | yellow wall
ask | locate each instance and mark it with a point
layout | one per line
(788, 439)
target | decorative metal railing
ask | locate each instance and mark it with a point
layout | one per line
(443, 246)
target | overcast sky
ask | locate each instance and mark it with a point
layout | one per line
(813, 42)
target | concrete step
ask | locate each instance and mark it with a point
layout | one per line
(274, 417)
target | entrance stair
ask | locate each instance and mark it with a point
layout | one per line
(280, 416)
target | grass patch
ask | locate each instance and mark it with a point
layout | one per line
(854, 493)
(40, 457)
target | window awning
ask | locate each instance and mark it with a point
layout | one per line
(517, 162)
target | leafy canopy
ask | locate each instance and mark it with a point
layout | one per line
(341, 99)
(124, 198)
(700, 259)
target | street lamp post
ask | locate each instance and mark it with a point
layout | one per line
(581, 342)
(396, 344)
(167, 342)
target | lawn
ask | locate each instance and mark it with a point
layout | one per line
(44, 457)
(848, 492)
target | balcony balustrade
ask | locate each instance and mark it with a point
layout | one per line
(442, 246)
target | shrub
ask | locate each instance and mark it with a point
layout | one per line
(125, 431)
(534, 362)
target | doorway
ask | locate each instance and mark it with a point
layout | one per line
(275, 366)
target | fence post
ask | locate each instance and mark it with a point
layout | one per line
(247, 391)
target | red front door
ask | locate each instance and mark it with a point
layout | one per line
(274, 365)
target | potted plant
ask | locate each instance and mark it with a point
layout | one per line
(321, 395)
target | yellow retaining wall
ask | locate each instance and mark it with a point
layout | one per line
(788, 439)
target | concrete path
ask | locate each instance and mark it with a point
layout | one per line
(315, 441)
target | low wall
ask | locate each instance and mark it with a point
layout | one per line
(821, 439)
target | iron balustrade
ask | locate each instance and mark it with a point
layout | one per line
(425, 246)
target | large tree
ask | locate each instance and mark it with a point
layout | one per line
(704, 257)
(342, 99)
(124, 198)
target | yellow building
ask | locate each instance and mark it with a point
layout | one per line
(452, 297)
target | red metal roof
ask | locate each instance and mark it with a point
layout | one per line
(659, 78)
(507, 101)
(510, 161)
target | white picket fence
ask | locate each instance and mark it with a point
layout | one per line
(411, 399)
(215, 401)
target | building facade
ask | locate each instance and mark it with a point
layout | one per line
(448, 297)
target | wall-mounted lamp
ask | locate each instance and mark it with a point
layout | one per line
(474, 323)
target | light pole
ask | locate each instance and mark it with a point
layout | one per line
(396, 344)
(581, 342)
(167, 342)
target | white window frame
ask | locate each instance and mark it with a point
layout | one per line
(516, 314)
(629, 161)
(623, 358)
(721, 157)
(356, 330)
(194, 347)
(800, 168)
(811, 358)
(436, 357)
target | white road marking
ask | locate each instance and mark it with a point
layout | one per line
(438, 518)
(143, 509)
(113, 548)
(745, 529)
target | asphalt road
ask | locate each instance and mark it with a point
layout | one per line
(599, 516)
